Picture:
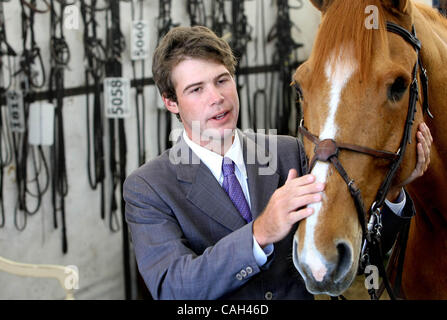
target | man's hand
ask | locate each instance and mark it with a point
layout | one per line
(423, 150)
(285, 208)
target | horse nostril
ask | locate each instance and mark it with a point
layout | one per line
(344, 261)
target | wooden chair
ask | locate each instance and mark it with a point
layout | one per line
(68, 277)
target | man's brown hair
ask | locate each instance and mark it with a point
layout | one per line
(188, 42)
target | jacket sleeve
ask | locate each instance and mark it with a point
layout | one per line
(393, 223)
(170, 268)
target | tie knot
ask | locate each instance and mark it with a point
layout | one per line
(227, 166)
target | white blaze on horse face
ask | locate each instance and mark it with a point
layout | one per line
(338, 72)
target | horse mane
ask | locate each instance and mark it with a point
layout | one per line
(431, 14)
(344, 25)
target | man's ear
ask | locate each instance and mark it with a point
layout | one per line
(170, 104)
(398, 6)
(321, 5)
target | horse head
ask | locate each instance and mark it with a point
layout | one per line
(355, 89)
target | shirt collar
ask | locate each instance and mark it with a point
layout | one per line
(214, 160)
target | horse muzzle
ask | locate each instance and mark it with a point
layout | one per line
(322, 275)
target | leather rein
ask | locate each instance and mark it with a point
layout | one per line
(327, 150)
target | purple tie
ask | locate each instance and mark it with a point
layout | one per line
(233, 188)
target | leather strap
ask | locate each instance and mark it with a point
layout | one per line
(118, 151)
(412, 39)
(352, 147)
(140, 104)
(95, 60)
(60, 56)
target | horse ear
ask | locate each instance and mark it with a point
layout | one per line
(321, 5)
(399, 6)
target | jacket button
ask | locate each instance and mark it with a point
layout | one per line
(268, 295)
(249, 270)
(243, 273)
(239, 276)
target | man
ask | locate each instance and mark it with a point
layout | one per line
(212, 222)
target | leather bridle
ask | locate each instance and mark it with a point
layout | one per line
(327, 150)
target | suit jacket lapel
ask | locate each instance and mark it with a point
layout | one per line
(261, 182)
(211, 198)
(205, 192)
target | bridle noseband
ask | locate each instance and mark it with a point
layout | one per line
(327, 150)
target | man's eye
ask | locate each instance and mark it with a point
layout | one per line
(197, 89)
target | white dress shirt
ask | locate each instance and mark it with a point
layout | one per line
(399, 205)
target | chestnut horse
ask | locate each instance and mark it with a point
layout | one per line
(355, 90)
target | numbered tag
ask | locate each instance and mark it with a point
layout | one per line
(41, 123)
(116, 97)
(139, 40)
(34, 123)
(14, 100)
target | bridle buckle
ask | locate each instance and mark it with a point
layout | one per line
(375, 225)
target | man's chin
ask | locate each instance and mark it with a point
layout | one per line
(217, 134)
(217, 137)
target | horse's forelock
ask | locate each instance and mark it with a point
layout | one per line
(344, 24)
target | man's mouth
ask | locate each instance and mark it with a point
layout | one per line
(220, 116)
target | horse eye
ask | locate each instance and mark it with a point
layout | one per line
(397, 89)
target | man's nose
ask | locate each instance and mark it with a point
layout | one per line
(215, 96)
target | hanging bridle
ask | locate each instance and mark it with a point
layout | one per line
(327, 150)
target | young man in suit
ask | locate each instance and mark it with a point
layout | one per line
(212, 218)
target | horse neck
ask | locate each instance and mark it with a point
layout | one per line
(432, 32)
(430, 27)
(428, 192)
(433, 36)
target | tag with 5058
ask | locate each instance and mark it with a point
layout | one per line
(116, 97)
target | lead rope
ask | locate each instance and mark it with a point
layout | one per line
(59, 59)
(241, 36)
(94, 57)
(5, 138)
(115, 45)
(397, 256)
(285, 46)
(260, 94)
(196, 12)
(140, 104)
(164, 24)
(219, 21)
(28, 82)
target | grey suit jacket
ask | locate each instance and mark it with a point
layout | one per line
(189, 239)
